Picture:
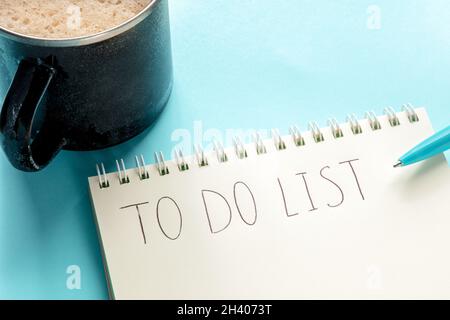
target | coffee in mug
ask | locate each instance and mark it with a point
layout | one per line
(80, 75)
(66, 18)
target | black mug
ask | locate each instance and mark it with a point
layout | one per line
(83, 93)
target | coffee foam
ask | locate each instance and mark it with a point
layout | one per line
(66, 18)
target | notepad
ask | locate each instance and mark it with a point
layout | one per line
(314, 214)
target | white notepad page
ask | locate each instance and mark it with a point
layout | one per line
(332, 219)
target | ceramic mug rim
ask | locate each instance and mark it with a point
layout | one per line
(82, 40)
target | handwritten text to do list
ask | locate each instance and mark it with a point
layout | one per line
(308, 186)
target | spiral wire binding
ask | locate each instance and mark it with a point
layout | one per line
(316, 133)
(354, 124)
(259, 144)
(239, 148)
(410, 113)
(296, 136)
(392, 117)
(373, 120)
(202, 160)
(220, 151)
(161, 164)
(142, 168)
(279, 143)
(122, 172)
(102, 177)
(181, 163)
(335, 128)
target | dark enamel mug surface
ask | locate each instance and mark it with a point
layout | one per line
(83, 93)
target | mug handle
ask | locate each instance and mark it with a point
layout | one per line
(30, 84)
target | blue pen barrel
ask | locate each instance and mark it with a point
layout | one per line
(438, 143)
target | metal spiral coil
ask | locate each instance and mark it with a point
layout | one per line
(260, 146)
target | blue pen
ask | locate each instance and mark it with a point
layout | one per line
(435, 144)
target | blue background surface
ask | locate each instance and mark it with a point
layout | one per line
(238, 64)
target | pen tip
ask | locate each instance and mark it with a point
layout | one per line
(398, 164)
